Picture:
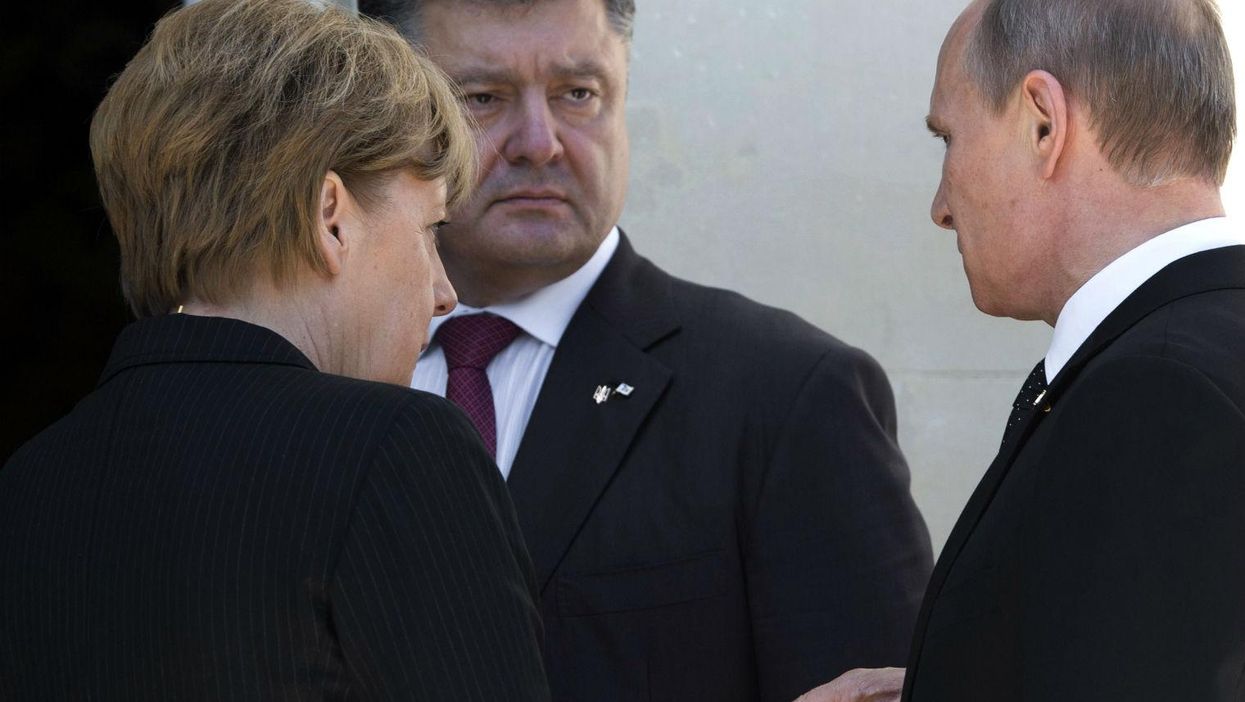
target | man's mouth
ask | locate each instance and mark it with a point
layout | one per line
(532, 198)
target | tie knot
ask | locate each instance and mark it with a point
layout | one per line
(472, 340)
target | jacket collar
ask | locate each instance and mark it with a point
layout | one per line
(634, 296)
(183, 338)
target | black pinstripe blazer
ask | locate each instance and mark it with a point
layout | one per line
(220, 521)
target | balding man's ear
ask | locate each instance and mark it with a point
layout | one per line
(1045, 111)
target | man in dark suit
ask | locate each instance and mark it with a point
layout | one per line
(1102, 557)
(711, 489)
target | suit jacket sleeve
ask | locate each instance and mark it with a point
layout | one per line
(433, 594)
(1137, 587)
(838, 555)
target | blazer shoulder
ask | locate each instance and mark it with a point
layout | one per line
(1203, 333)
(412, 416)
(335, 391)
(760, 332)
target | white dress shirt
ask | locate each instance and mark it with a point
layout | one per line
(1101, 294)
(517, 373)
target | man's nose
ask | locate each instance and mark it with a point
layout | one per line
(939, 211)
(534, 136)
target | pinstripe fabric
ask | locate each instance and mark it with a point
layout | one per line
(219, 521)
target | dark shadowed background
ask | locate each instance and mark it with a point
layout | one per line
(61, 301)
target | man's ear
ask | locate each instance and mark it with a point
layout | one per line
(1044, 107)
(334, 213)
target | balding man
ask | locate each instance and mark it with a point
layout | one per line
(1102, 557)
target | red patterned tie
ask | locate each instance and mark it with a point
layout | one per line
(470, 342)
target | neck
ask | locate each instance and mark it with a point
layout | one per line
(479, 287)
(291, 318)
(1103, 224)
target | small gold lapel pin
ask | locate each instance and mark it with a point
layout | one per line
(1037, 404)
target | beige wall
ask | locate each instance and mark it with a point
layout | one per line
(779, 148)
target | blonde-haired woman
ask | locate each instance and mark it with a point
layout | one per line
(252, 504)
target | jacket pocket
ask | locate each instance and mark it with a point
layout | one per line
(641, 587)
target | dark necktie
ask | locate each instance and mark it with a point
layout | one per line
(470, 342)
(1027, 400)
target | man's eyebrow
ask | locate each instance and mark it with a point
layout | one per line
(479, 75)
(476, 75)
(586, 68)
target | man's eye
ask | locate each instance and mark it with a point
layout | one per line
(944, 138)
(580, 94)
(480, 99)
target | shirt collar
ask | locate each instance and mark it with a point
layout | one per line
(1102, 293)
(546, 313)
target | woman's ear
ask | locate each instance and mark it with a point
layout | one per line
(335, 204)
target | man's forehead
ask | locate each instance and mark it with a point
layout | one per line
(956, 42)
(550, 18)
(950, 71)
(557, 37)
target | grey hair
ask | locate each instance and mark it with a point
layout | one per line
(404, 14)
(1154, 75)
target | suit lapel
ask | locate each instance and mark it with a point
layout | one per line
(573, 445)
(964, 526)
(1202, 272)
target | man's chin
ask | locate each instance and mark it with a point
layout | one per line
(534, 229)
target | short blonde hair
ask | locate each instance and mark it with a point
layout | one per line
(212, 146)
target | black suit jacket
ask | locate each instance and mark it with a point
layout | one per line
(220, 521)
(737, 528)
(1102, 557)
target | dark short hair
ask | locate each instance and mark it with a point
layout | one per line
(404, 14)
(1155, 76)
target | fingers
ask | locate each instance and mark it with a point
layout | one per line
(860, 685)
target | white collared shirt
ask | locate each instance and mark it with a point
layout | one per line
(1101, 294)
(517, 373)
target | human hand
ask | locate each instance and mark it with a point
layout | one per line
(860, 685)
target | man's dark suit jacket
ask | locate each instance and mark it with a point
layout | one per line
(737, 528)
(1102, 557)
(220, 521)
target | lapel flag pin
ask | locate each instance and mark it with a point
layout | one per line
(605, 392)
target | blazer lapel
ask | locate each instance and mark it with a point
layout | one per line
(574, 444)
(1202, 272)
(964, 526)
